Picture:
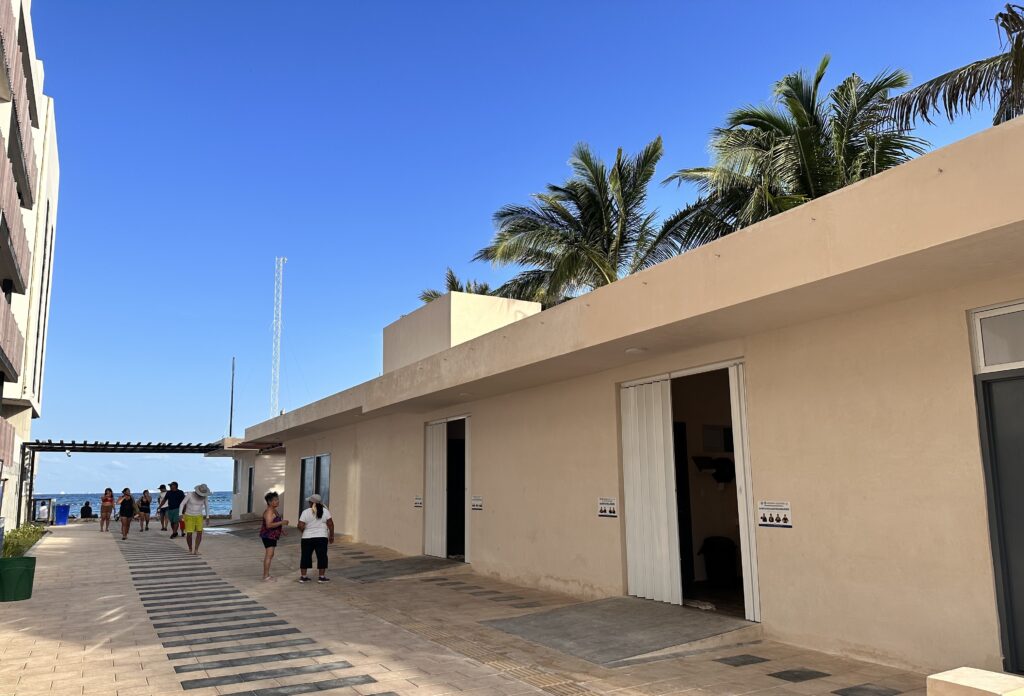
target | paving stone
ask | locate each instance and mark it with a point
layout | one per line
(273, 673)
(248, 661)
(799, 675)
(215, 629)
(741, 660)
(867, 690)
(207, 640)
(215, 619)
(248, 647)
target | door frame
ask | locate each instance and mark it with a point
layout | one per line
(467, 494)
(1007, 638)
(744, 486)
(250, 480)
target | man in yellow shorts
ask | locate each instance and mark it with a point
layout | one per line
(193, 508)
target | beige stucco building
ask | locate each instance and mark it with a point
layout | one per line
(804, 392)
(29, 176)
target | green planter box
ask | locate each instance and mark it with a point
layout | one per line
(16, 576)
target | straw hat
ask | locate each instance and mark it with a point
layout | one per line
(202, 490)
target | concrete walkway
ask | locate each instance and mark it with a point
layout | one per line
(142, 617)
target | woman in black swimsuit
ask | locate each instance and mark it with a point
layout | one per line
(145, 500)
(126, 511)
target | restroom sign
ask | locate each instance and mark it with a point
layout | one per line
(607, 507)
(417, 502)
(478, 502)
(774, 513)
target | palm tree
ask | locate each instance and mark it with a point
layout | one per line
(585, 233)
(453, 284)
(997, 81)
(771, 158)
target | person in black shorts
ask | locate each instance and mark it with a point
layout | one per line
(126, 512)
(145, 505)
(271, 530)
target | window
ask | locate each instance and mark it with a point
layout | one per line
(315, 477)
(999, 338)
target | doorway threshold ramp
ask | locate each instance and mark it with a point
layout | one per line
(619, 631)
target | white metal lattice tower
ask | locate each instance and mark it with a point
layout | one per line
(275, 367)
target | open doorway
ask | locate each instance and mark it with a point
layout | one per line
(687, 503)
(446, 489)
(706, 504)
(456, 498)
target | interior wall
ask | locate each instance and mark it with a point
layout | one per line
(700, 400)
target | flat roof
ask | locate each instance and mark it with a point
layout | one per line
(952, 216)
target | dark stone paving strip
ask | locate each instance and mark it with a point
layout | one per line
(143, 584)
(485, 593)
(194, 595)
(171, 570)
(216, 602)
(433, 579)
(208, 585)
(505, 598)
(215, 629)
(467, 588)
(215, 619)
(231, 649)
(233, 636)
(328, 685)
(279, 672)
(183, 574)
(450, 583)
(212, 612)
(247, 661)
(166, 612)
(527, 605)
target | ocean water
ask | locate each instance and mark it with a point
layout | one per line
(220, 501)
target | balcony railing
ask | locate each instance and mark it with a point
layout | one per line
(15, 256)
(12, 343)
(26, 161)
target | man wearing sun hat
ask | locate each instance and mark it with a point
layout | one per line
(192, 509)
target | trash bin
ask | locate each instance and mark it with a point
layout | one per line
(719, 560)
(16, 576)
(61, 513)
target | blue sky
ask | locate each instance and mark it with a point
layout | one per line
(369, 143)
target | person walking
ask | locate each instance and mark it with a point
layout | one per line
(106, 509)
(127, 510)
(161, 507)
(173, 502)
(145, 506)
(317, 529)
(192, 509)
(271, 530)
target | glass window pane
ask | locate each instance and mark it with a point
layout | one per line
(324, 484)
(308, 478)
(1002, 338)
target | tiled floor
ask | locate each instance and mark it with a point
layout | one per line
(143, 618)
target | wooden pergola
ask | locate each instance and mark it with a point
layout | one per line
(29, 450)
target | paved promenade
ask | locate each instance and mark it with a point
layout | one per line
(142, 617)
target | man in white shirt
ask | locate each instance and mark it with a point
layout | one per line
(192, 510)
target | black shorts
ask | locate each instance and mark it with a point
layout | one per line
(268, 543)
(316, 545)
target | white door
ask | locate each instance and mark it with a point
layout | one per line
(744, 496)
(652, 531)
(435, 504)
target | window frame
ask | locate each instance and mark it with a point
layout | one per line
(977, 315)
